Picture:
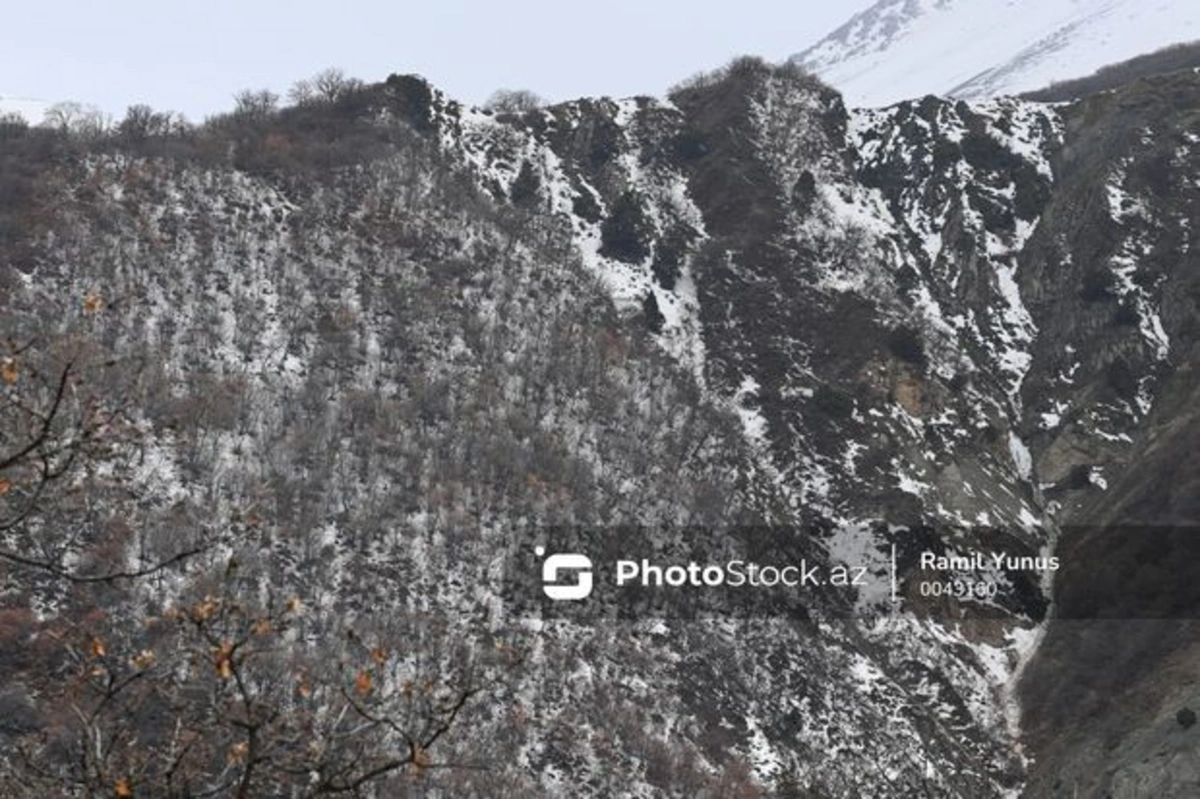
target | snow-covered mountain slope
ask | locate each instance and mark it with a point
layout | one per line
(365, 341)
(30, 109)
(602, 313)
(901, 49)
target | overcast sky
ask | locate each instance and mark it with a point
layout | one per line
(192, 56)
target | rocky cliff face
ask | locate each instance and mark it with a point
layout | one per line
(375, 338)
(1103, 699)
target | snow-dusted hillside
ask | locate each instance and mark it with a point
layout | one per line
(361, 347)
(972, 49)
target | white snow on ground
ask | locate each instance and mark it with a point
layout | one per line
(762, 754)
(1016, 332)
(844, 211)
(1006, 329)
(1053, 418)
(901, 49)
(666, 201)
(1005, 665)
(753, 423)
(1131, 211)
(865, 673)
(1020, 455)
(1027, 120)
(910, 485)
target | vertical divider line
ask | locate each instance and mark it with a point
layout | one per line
(893, 577)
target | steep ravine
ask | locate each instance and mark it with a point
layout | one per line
(1044, 254)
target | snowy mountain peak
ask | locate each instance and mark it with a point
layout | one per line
(898, 49)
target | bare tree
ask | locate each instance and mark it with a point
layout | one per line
(12, 124)
(513, 101)
(142, 122)
(76, 118)
(302, 92)
(327, 86)
(255, 104)
(57, 432)
(225, 696)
